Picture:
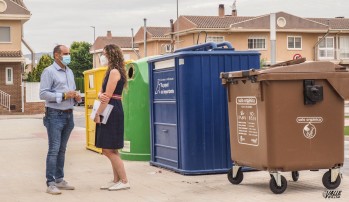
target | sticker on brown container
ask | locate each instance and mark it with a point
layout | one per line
(309, 129)
(247, 120)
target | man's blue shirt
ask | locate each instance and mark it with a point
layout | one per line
(53, 83)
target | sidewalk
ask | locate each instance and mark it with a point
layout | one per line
(33, 116)
(22, 176)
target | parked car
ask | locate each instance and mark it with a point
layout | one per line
(82, 103)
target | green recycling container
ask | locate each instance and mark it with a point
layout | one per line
(135, 101)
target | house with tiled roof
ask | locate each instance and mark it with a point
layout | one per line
(158, 40)
(313, 38)
(13, 14)
(125, 43)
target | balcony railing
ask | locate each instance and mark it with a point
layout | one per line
(5, 100)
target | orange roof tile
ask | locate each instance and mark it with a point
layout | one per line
(158, 32)
(16, 7)
(20, 3)
(334, 23)
(122, 42)
(262, 22)
(216, 21)
(10, 54)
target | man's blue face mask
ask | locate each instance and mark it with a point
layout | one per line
(66, 59)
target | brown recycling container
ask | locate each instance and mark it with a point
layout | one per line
(288, 118)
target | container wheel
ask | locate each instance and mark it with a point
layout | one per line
(326, 181)
(295, 175)
(275, 188)
(235, 180)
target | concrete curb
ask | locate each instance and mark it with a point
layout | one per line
(35, 116)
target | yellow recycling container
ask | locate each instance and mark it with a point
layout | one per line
(93, 79)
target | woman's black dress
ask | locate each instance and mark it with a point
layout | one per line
(111, 134)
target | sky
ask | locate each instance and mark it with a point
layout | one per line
(62, 22)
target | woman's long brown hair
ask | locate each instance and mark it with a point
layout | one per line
(116, 60)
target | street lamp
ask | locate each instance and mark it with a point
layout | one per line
(94, 48)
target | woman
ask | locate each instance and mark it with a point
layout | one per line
(110, 136)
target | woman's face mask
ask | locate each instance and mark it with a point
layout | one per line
(103, 60)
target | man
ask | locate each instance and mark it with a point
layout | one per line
(57, 88)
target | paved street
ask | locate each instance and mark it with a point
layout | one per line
(23, 166)
(79, 116)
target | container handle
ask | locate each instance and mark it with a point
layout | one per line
(289, 62)
(340, 68)
(205, 46)
(233, 77)
(225, 43)
(229, 98)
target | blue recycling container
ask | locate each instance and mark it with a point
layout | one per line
(188, 107)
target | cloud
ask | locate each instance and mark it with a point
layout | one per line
(70, 20)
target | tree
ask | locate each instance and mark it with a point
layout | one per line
(81, 59)
(45, 61)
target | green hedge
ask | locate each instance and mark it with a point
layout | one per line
(79, 82)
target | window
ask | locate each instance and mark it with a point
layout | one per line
(294, 42)
(216, 39)
(344, 47)
(326, 48)
(281, 22)
(256, 43)
(5, 35)
(9, 75)
(168, 48)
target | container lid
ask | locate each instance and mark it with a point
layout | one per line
(98, 69)
(311, 67)
(336, 75)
